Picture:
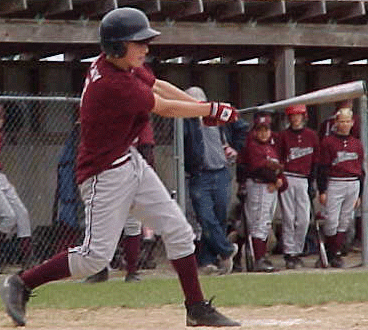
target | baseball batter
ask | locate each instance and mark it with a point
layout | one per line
(299, 152)
(264, 179)
(133, 227)
(339, 182)
(115, 180)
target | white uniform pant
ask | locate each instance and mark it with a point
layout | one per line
(14, 217)
(295, 207)
(133, 227)
(339, 211)
(260, 207)
(109, 197)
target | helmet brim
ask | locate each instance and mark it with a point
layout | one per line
(144, 34)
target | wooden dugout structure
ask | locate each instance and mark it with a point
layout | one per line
(280, 33)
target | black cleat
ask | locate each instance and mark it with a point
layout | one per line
(204, 314)
(15, 295)
(264, 265)
(101, 276)
(298, 262)
(132, 277)
(337, 262)
(289, 261)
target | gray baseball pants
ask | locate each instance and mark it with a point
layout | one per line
(14, 217)
(295, 207)
(109, 197)
(339, 211)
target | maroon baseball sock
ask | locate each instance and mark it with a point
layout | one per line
(339, 240)
(330, 242)
(53, 269)
(259, 248)
(188, 276)
(132, 247)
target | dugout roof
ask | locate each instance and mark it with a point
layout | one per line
(193, 29)
(281, 33)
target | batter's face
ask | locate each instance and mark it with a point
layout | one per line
(263, 133)
(134, 57)
(296, 120)
(136, 53)
(344, 123)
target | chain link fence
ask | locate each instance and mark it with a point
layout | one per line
(39, 143)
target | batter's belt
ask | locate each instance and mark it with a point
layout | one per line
(121, 161)
(353, 178)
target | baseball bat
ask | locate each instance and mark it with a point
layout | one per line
(321, 244)
(249, 250)
(336, 93)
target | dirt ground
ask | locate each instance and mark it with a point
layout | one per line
(326, 317)
(332, 316)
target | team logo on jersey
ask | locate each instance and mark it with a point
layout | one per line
(298, 152)
(343, 156)
(226, 114)
(95, 74)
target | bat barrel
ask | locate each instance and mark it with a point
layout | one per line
(336, 93)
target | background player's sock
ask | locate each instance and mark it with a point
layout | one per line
(132, 247)
(330, 242)
(339, 241)
(188, 275)
(259, 248)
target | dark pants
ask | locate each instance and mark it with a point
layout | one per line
(210, 194)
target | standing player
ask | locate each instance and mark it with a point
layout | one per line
(299, 152)
(114, 179)
(328, 126)
(340, 183)
(263, 180)
(14, 216)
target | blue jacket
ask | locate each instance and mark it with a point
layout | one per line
(193, 141)
(67, 194)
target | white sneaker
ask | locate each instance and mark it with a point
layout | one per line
(209, 269)
(226, 265)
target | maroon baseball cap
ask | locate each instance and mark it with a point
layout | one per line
(262, 120)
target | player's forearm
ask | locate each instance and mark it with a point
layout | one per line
(168, 91)
(178, 108)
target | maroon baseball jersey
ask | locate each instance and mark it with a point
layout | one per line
(114, 109)
(299, 150)
(146, 136)
(343, 155)
(256, 155)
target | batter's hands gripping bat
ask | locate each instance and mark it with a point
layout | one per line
(321, 244)
(336, 93)
(249, 251)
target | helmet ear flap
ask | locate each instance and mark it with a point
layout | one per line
(123, 49)
(116, 49)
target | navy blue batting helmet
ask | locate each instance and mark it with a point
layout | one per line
(124, 24)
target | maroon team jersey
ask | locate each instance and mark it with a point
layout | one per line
(114, 109)
(299, 150)
(343, 155)
(255, 155)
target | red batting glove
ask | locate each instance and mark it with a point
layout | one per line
(210, 121)
(223, 112)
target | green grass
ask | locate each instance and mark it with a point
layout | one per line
(304, 289)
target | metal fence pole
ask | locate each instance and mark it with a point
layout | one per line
(364, 138)
(179, 156)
